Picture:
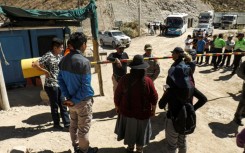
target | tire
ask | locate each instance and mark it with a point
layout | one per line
(102, 42)
(113, 44)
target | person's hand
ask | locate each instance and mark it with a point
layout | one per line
(117, 109)
(153, 113)
(68, 103)
(47, 74)
(33, 64)
(153, 110)
(118, 62)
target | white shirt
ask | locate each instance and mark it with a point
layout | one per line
(188, 43)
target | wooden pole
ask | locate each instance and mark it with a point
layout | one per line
(4, 101)
(97, 66)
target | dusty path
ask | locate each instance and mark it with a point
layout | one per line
(31, 126)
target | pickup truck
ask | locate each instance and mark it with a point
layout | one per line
(207, 26)
(113, 38)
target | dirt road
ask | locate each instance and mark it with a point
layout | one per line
(30, 125)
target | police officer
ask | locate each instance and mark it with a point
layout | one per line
(239, 47)
(154, 69)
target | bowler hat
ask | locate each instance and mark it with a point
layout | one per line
(138, 63)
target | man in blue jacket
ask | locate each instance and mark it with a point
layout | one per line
(75, 84)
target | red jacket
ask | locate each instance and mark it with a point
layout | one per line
(136, 107)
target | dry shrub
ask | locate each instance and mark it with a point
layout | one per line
(130, 29)
(130, 32)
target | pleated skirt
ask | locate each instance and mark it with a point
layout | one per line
(133, 131)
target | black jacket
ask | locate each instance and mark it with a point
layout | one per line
(180, 89)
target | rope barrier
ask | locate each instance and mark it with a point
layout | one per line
(167, 57)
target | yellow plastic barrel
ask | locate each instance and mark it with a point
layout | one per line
(28, 70)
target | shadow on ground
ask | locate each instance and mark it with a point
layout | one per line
(25, 96)
(237, 97)
(222, 130)
(39, 119)
(224, 77)
(152, 147)
(156, 147)
(157, 124)
(10, 132)
(112, 150)
(39, 124)
(103, 115)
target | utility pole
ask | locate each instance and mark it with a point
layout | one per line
(139, 8)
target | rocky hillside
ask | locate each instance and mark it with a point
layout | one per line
(227, 5)
(127, 10)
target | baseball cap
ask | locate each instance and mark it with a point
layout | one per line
(148, 47)
(177, 50)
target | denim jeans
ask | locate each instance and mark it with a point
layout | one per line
(54, 95)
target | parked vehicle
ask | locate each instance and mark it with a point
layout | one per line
(229, 20)
(176, 23)
(217, 19)
(208, 27)
(232, 20)
(113, 38)
(206, 17)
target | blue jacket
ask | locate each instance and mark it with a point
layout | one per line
(75, 77)
(200, 46)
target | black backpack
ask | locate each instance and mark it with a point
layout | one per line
(185, 122)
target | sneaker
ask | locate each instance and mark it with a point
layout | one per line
(238, 121)
(92, 150)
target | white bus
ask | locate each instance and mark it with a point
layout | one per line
(176, 23)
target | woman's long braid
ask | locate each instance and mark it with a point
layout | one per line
(134, 76)
(143, 91)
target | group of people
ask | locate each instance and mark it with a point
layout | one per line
(135, 96)
(152, 29)
(219, 45)
(201, 44)
(68, 84)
